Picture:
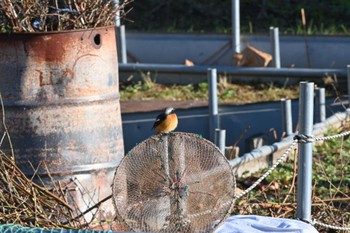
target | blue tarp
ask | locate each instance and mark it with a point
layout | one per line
(260, 224)
(234, 224)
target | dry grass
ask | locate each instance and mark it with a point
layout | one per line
(26, 203)
(58, 15)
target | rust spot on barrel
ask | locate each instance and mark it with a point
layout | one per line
(47, 48)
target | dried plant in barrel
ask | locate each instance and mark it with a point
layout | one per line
(177, 182)
(58, 15)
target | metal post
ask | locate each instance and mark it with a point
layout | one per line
(121, 35)
(304, 184)
(213, 103)
(117, 16)
(220, 138)
(123, 44)
(275, 47)
(287, 122)
(348, 80)
(320, 105)
(236, 41)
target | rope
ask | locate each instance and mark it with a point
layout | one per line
(301, 138)
(315, 222)
(268, 172)
(333, 136)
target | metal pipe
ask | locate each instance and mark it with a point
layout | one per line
(304, 184)
(121, 35)
(275, 47)
(235, 71)
(123, 44)
(348, 81)
(261, 154)
(252, 159)
(117, 16)
(220, 139)
(320, 105)
(213, 103)
(236, 37)
(287, 122)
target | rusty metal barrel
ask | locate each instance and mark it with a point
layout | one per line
(61, 99)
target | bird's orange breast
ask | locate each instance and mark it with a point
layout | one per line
(168, 124)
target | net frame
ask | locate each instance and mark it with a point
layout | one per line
(175, 182)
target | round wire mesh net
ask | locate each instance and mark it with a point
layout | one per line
(177, 182)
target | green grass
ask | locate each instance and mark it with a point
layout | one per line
(228, 92)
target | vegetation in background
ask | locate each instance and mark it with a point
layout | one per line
(230, 92)
(322, 17)
(237, 93)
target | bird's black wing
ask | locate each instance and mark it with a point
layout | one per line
(161, 117)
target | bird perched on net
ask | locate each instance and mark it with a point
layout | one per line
(166, 122)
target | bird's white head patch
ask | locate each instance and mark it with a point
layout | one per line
(169, 110)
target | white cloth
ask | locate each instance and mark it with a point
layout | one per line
(260, 224)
